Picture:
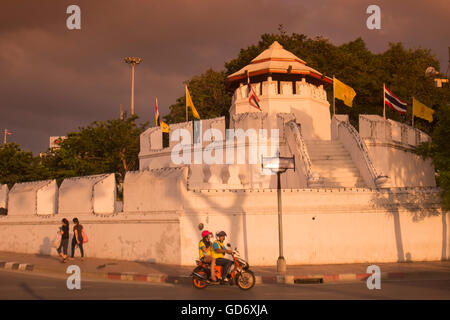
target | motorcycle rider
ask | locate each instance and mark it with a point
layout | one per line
(206, 252)
(219, 252)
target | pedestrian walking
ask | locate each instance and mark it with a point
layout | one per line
(77, 240)
(64, 232)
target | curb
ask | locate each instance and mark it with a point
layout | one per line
(16, 266)
(187, 280)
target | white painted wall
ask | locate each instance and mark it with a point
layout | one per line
(319, 225)
(104, 198)
(403, 167)
(4, 196)
(143, 238)
(30, 198)
(76, 195)
(155, 190)
(309, 105)
(47, 199)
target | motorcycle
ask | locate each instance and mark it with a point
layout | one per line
(240, 274)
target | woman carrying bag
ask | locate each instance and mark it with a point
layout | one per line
(64, 232)
(77, 240)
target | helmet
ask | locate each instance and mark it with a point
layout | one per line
(221, 233)
(205, 233)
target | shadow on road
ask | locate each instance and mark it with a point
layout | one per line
(30, 291)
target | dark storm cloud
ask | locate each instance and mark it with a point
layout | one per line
(54, 80)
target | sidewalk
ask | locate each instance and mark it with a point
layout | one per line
(93, 268)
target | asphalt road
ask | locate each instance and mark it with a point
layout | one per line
(20, 285)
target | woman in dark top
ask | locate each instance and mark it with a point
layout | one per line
(64, 231)
(77, 239)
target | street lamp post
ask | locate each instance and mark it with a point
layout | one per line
(279, 165)
(132, 61)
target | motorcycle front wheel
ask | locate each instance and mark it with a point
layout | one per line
(198, 283)
(246, 280)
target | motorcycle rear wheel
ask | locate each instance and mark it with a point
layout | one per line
(246, 280)
(198, 283)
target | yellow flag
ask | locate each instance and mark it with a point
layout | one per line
(164, 127)
(343, 92)
(422, 111)
(189, 103)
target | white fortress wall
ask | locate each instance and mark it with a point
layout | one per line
(391, 147)
(319, 225)
(104, 197)
(153, 239)
(322, 226)
(159, 190)
(309, 105)
(76, 195)
(30, 198)
(47, 199)
(4, 196)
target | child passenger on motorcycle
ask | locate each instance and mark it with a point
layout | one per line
(219, 252)
(206, 252)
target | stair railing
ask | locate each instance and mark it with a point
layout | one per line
(350, 138)
(300, 146)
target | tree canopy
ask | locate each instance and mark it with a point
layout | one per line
(102, 147)
(402, 70)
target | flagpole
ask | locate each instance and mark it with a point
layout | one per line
(384, 104)
(334, 107)
(4, 139)
(187, 117)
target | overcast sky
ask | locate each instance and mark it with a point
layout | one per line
(53, 80)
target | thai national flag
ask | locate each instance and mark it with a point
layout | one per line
(254, 100)
(393, 101)
(157, 116)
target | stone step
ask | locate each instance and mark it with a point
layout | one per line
(342, 185)
(327, 163)
(353, 179)
(336, 171)
(329, 157)
(323, 142)
(342, 180)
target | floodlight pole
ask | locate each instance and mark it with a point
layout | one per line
(132, 61)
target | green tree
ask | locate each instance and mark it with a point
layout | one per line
(439, 151)
(17, 165)
(402, 70)
(102, 147)
(209, 94)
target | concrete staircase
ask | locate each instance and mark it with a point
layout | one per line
(334, 164)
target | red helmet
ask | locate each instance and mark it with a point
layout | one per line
(205, 233)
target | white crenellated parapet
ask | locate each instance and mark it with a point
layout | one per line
(105, 193)
(249, 120)
(159, 190)
(378, 128)
(76, 195)
(151, 139)
(33, 198)
(4, 196)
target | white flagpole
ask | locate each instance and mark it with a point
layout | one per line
(187, 116)
(4, 139)
(334, 107)
(384, 104)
